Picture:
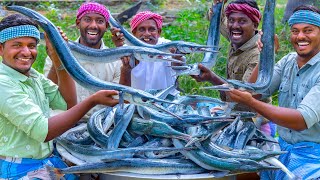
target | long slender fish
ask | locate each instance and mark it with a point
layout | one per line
(78, 73)
(181, 46)
(114, 54)
(136, 165)
(209, 58)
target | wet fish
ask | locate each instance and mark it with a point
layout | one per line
(114, 54)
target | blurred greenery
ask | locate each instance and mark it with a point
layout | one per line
(191, 24)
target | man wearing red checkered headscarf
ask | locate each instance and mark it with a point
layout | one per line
(147, 27)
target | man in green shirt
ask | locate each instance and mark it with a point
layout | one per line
(26, 128)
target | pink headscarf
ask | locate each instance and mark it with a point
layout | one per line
(145, 15)
(253, 13)
(92, 7)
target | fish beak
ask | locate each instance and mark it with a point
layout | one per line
(223, 87)
(206, 49)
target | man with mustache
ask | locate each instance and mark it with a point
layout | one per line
(296, 77)
(240, 25)
(92, 22)
(147, 27)
(26, 127)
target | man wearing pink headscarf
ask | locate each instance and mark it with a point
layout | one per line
(147, 27)
(92, 21)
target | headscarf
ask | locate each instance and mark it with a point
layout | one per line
(145, 15)
(253, 13)
(92, 7)
(19, 31)
(305, 16)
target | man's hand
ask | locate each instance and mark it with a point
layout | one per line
(104, 97)
(276, 43)
(239, 96)
(117, 37)
(49, 48)
(205, 74)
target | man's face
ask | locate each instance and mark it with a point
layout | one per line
(92, 27)
(19, 53)
(305, 39)
(147, 31)
(241, 28)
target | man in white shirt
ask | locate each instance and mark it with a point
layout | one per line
(147, 27)
(92, 22)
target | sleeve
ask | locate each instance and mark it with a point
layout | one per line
(117, 71)
(47, 66)
(276, 77)
(22, 112)
(309, 108)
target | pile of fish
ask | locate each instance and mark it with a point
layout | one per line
(138, 139)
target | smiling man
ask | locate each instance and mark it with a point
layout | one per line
(297, 79)
(239, 25)
(146, 26)
(92, 22)
(26, 127)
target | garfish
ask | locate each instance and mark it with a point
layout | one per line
(134, 165)
(114, 54)
(89, 153)
(180, 46)
(209, 58)
(210, 162)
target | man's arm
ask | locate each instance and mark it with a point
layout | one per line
(62, 122)
(286, 117)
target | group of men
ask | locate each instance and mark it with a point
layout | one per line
(27, 128)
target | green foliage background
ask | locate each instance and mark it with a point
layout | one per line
(191, 24)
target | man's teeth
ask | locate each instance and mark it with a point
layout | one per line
(303, 43)
(92, 33)
(146, 39)
(24, 59)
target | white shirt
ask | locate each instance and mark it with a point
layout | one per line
(109, 72)
(153, 75)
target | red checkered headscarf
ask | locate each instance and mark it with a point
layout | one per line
(145, 15)
(92, 7)
(253, 13)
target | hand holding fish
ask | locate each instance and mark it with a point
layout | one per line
(117, 37)
(104, 97)
(243, 97)
(276, 42)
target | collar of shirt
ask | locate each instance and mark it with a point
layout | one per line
(17, 75)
